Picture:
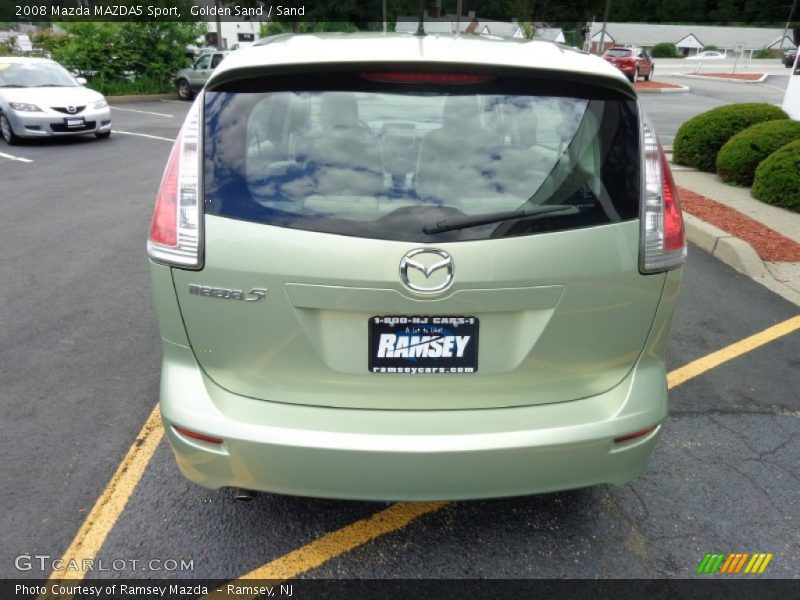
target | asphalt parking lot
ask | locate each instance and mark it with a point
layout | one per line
(670, 111)
(79, 368)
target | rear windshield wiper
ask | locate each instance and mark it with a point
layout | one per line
(486, 219)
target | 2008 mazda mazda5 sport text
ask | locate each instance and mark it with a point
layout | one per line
(396, 267)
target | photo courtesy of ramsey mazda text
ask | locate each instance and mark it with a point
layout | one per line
(396, 267)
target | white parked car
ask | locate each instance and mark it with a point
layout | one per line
(39, 98)
(707, 55)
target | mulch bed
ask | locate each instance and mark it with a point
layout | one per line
(742, 76)
(653, 85)
(768, 243)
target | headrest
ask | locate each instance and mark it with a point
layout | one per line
(461, 112)
(339, 109)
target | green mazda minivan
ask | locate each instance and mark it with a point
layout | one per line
(397, 267)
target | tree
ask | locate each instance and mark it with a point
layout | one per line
(119, 51)
(276, 27)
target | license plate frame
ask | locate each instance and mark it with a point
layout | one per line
(451, 347)
(74, 122)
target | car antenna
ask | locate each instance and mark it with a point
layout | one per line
(421, 26)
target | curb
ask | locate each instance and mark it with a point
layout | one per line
(729, 249)
(670, 90)
(735, 253)
(141, 97)
(730, 79)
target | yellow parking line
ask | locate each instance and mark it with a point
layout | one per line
(337, 543)
(115, 497)
(332, 545)
(110, 504)
(710, 361)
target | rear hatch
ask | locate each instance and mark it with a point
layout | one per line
(365, 245)
(620, 58)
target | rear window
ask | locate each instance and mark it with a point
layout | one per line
(619, 52)
(354, 154)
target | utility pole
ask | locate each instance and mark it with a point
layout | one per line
(605, 23)
(219, 25)
(786, 27)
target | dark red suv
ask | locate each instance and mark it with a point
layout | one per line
(634, 62)
(789, 57)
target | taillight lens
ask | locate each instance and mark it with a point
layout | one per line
(198, 436)
(175, 229)
(663, 242)
(634, 435)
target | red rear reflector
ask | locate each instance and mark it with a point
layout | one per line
(674, 238)
(407, 77)
(164, 227)
(198, 436)
(634, 435)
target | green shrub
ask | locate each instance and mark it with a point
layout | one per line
(739, 157)
(665, 50)
(777, 178)
(763, 53)
(118, 51)
(699, 139)
(140, 85)
(710, 47)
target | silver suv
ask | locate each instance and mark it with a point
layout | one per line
(191, 80)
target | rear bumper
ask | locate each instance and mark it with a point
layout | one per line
(408, 455)
(627, 68)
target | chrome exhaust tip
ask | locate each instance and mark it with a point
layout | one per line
(243, 495)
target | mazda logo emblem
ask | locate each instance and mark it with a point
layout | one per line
(427, 270)
(71, 109)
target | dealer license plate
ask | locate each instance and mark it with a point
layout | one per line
(419, 345)
(75, 122)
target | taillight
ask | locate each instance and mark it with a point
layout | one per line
(663, 242)
(175, 229)
(415, 77)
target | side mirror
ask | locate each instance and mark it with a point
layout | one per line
(81, 80)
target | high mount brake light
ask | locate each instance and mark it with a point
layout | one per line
(174, 237)
(414, 77)
(663, 241)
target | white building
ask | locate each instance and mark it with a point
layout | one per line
(469, 24)
(234, 30)
(690, 39)
(549, 34)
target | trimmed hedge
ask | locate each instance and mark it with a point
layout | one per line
(699, 139)
(740, 156)
(777, 178)
(664, 50)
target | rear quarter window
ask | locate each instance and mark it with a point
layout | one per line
(352, 156)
